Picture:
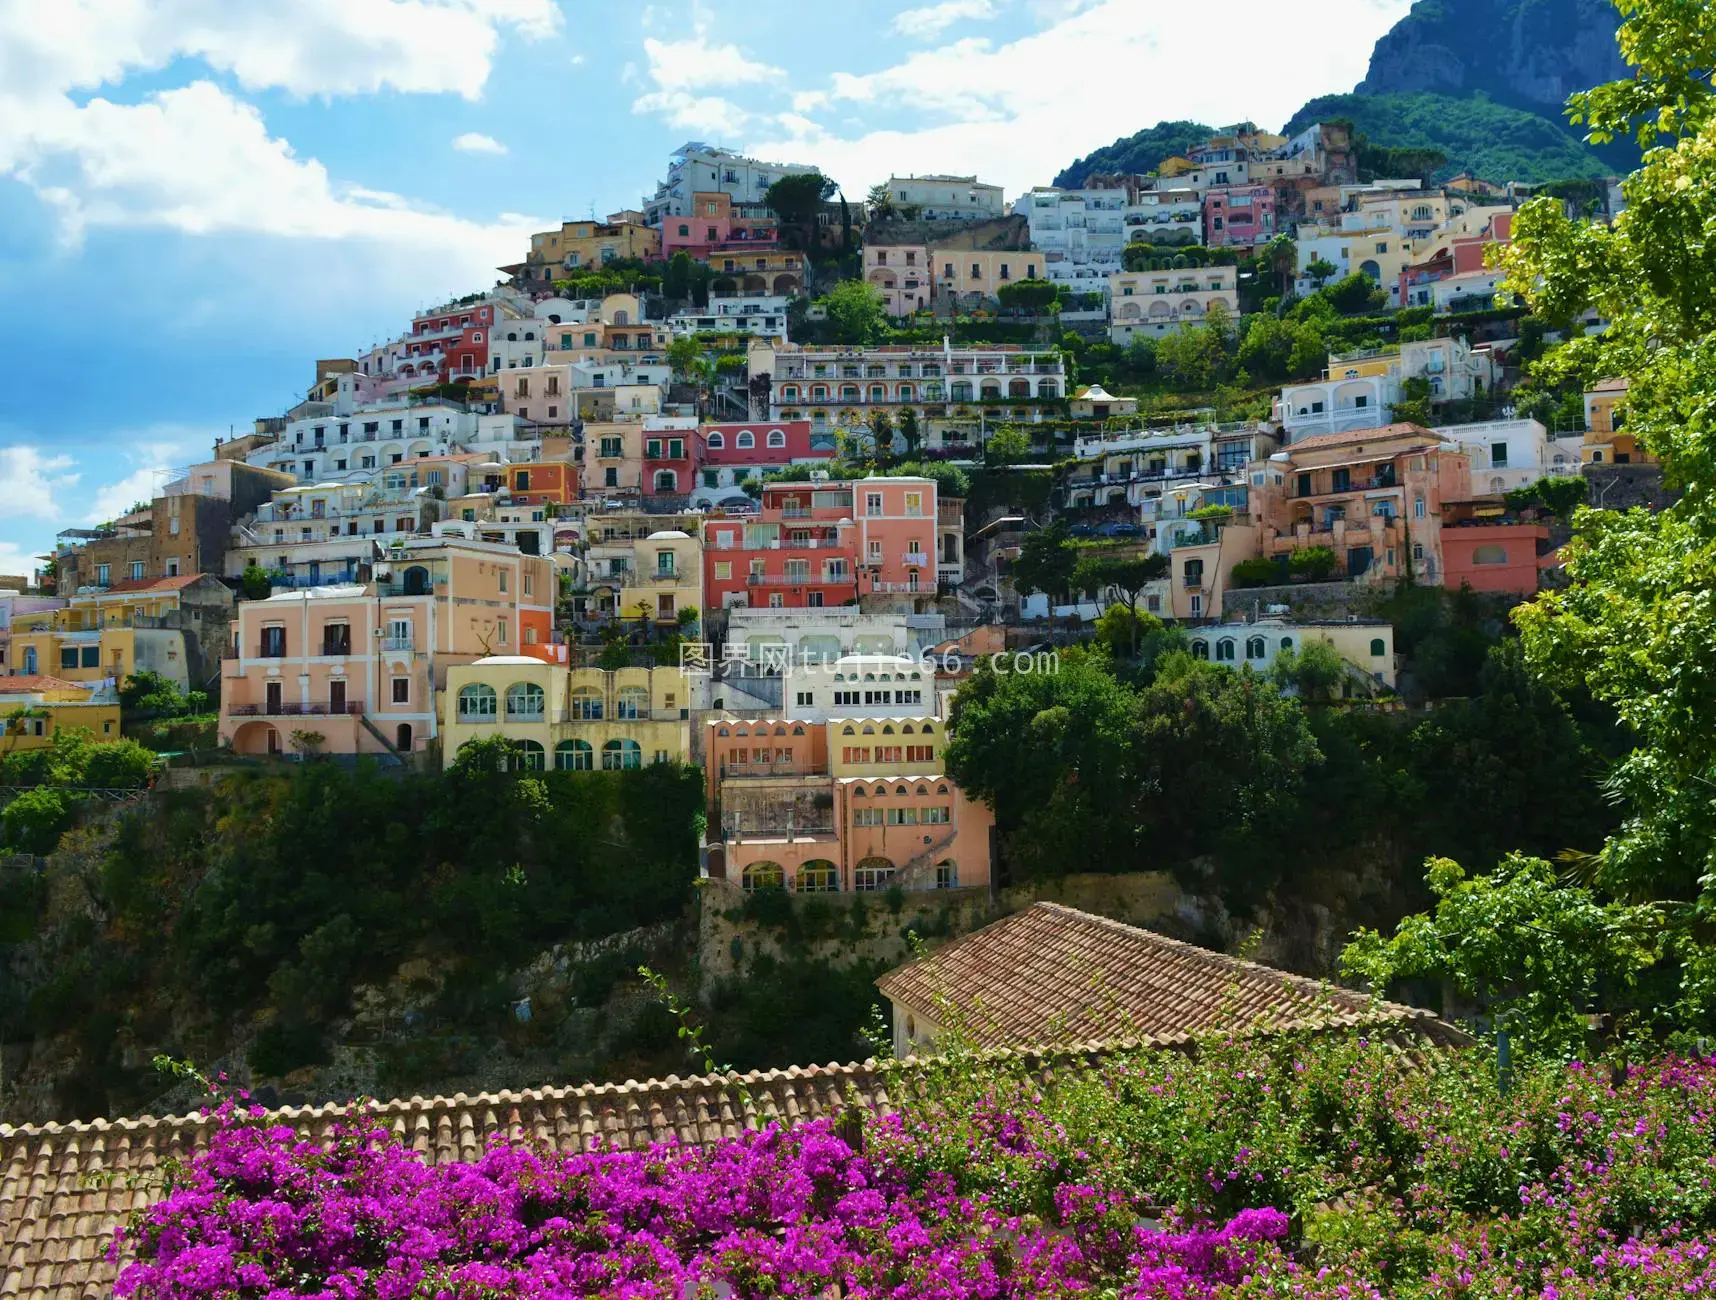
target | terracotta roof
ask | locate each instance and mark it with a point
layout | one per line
(22, 685)
(1611, 386)
(66, 1188)
(178, 583)
(1361, 435)
(1052, 975)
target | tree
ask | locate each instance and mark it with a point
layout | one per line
(1007, 446)
(1355, 293)
(1320, 271)
(1046, 562)
(1029, 296)
(1414, 404)
(1313, 563)
(255, 582)
(856, 311)
(34, 821)
(909, 430)
(880, 202)
(1314, 671)
(882, 430)
(797, 202)
(1122, 631)
(1126, 577)
(1281, 256)
(683, 354)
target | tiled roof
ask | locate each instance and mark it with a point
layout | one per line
(22, 685)
(66, 1188)
(178, 583)
(1053, 975)
(1362, 435)
(1610, 386)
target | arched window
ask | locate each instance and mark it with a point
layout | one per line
(621, 755)
(528, 756)
(818, 876)
(574, 756)
(1490, 554)
(763, 875)
(1286, 643)
(477, 703)
(416, 581)
(1254, 648)
(525, 701)
(777, 438)
(717, 441)
(1200, 649)
(747, 440)
(666, 480)
(878, 392)
(1225, 649)
(633, 702)
(1377, 647)
(586, 705)
(873, 873)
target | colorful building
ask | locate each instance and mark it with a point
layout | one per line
(583, 245)
(719, 226)
(728, 454)
(569, 719)
(359, 664)
(1152, 303)
(825, 543)
(850, 804)
(1500, 554)
(901, 274)
(172, 626)
(1606, 440)
(1242, 215)
(1367, 646)
(35, 709)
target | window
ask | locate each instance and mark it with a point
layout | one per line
(872, 874)
(136, 570)
(337, 639)
(1491, 554)
(633, 703)
(585, 705)
(477, 703)
(621, 755)
(872, 503)
(746, 440)
(273, 642)
(402, 690)
(1418, 507)
(1498, 455)
(68, 656)
(1255, 648)
(529, 757)
(574, 756)
(101, 572)
(777, 438)
(717, 441)
(525, 701)
(818, 876)
(1225, 649)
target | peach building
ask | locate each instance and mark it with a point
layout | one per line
(1373, 496)
(1607, 441)
(851, 804)
(360, 665)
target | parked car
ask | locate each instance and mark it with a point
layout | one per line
(1127, 530)
(1081, 530)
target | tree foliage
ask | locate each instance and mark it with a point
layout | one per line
(856, 312)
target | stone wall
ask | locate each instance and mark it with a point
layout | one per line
(1621, 487)
(1308, 601)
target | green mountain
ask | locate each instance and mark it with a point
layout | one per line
(1476, 134)
(1141, 152)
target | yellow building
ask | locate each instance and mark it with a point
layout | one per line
(132, 626)
(583, 245)
(1606, 440)
(33, 710)
(574, 720)
(906, 746)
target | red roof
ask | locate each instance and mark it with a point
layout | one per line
(155, 584)
(22, 685)
(1361, 435)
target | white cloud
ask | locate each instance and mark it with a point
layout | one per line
(477, 142)
(18, 561)
(930, 21)
(695, 64)
(30, 481)
(198, 159)
(1015, 113)
(706, 113)
(114, 499)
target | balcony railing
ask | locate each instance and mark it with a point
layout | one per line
(803, 580)
(350, 707)
(397, 643)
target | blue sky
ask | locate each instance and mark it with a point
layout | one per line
(200, 197)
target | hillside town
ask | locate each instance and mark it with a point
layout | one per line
(1146, 739)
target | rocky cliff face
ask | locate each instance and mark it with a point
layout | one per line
(1528, 53)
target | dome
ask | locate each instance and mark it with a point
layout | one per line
(669, 535)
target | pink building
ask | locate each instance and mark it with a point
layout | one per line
(901, 274)
(718, 226)
(1242, 215)
(448, 344)
(1496, 556)
(825, 543)
(360, 664)
(851, 804)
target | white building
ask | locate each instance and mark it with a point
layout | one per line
(859, 686)
(1508, 454)
(1360, 390)
(766, 316)
(1164, 216)
(517, 344)
(1367, 646)
(698, 168)
(1081, 234)
(347, 441)
(947, 198)
(1151, 303)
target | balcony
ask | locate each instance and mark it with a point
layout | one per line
(350, 708)
(798, 580)
(397, 644)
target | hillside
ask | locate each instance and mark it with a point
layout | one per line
(1477, 134)
(1142, 151)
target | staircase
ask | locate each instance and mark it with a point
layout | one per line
(383, 741)
(912, 873)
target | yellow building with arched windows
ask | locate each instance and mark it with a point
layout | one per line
(571, 720)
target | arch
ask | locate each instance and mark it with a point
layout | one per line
(1225, 649)
(823, 648)
(872, 873)
(991, 390)
(528, 756)
(1370, 270)
(1018, 388)
(574, 756)
(666, 480)
(777, 438)
(402, 738)
(585, 705)
(878, 392)
(1130, 311)
(818, 876)
(622, 317)
(785, 285)
(1048, 388)
(754, 284)
(477, 702)
(1159, 310)
(849, 392)
(633, 702)
(1200, 649)
(621, 755)
(416, 581)
(1256, 648)
(1378, 647)
(1286, 643)
(525, 701)
(717, 440)
(746, 440)
(257, 738)
(762, 875)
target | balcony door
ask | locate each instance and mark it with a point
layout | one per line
(273, 690)
(337, 696)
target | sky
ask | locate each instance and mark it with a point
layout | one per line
(198, 198)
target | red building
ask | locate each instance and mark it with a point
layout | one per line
(1504, 557)
(1241, 215)
(450, 344)
(669, 462)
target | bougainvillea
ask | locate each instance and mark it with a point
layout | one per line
(1320, 1170)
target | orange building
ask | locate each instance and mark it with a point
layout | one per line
(359, 666)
